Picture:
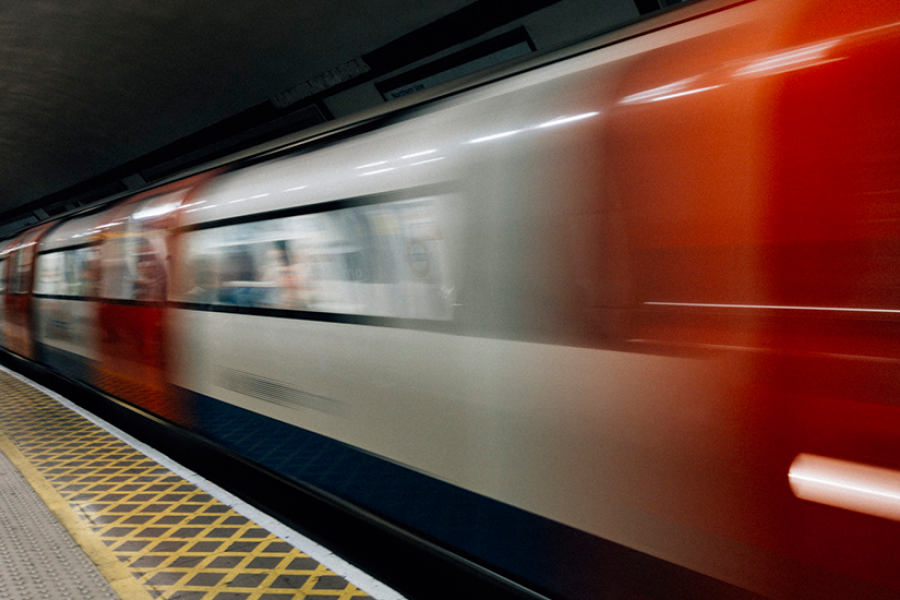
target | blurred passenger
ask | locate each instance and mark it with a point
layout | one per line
(273, 277)
(296, 282)
(204, 281)
(91, 282)
(150, 284)
(238, 278)
(72, 268)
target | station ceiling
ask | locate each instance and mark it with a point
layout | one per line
(98, 97)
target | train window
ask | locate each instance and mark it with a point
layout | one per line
(135, 255)
(49, 274)
(83, 272)
(21, 271)
(385, 259)
(149, 282)
(242, 282)
(134, 269)
(71, 273)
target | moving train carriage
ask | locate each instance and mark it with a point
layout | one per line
(4, 244)
(19, 258)
(642, 299)
(651, 331)
(763, 239)
(135, 257)
(101, 283)
(67, 285)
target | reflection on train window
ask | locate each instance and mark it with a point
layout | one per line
(134, 270)
(135, 255)
(21, 266)
(2, 275)
(386, 260)
(71, 273)
(48, 274)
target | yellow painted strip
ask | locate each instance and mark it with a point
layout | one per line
(119, 577)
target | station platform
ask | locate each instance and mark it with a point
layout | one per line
(86, 512)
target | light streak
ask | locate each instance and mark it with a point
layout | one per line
(374, 164)
(564, 120)
(430, 160)
(790, 60)
(417, 154)
(495, 136)
(156, 211)
(848, 485)
(777, 307)
(378, 171)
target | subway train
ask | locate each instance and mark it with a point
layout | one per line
(620, 323)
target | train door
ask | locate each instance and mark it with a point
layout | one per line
(3, 264)
(131, 318)
(18, 307)
(65, 293)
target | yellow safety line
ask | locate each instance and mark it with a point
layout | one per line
(204, 536)
(119, 577)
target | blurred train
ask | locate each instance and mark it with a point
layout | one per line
(636, 305)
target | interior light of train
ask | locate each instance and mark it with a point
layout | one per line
(791, 60)
(108, 225)
(564, 120)
(156, 211)
(848, 485)
(296, 188)
(417, 154)
(374, 164)
(495, 136)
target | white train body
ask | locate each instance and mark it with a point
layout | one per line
(567, 299)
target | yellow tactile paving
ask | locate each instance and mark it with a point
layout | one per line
(178, 542)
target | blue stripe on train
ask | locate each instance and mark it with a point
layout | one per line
(69, 364)
(546, 554)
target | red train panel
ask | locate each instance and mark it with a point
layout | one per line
(132, 320)
(21, 258)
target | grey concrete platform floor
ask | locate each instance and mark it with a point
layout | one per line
(39, 560)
